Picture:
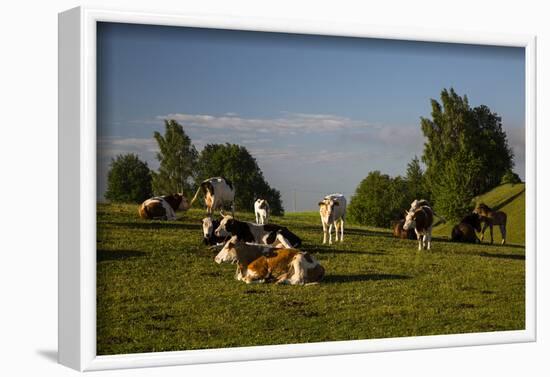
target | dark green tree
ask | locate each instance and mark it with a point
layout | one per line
(379, 199)
(177, 157)
(510, 177)
(466, 153)
(415, 181)
(128, 180)
(235, 163)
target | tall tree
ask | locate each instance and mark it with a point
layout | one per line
(128, 180)
(235, 163)
(177, 157)
(466, 152)
(416, 186)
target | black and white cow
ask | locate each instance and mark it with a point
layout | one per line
(261, 210)
(217, 191)
(209, 225)
(267, 234)
(163, 207)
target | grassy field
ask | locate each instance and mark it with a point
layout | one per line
(158, 288)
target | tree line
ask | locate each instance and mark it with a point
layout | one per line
(466, 153)
(182, 168)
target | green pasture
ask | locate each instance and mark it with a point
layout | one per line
(158, 288)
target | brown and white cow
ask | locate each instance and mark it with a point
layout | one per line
(422, 222)
(261, 210)
(258, 264)
(333, 212)
(217, 191)
(163, 207)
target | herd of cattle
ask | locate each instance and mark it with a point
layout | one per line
(266, 252)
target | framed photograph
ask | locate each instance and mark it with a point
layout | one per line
(237, 189)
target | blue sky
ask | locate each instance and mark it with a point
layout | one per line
(318, 113)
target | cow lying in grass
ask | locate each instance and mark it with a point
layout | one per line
(260, 264)
(267, 234)
(399, 232)
(209, 225)
(163, 207)
(465, 231)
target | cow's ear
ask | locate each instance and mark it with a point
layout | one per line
(321, 203)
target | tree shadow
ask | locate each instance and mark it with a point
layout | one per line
(111, 255)
(507, 201)
(362, 277)
(153, 225)
(503, 256)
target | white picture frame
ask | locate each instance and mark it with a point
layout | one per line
(77, 190)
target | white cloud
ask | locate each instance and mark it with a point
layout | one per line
(288, 123)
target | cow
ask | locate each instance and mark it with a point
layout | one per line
(217, 191)
(209, 225)
(333, 212)
(163, 207)
(261, 210)
(399, 232)
(256, 264)
(417, 203)
(267, 234)
(422, 222)
(465, 231)
(489, 218)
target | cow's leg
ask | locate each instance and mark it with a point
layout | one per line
(428, 238)
(342, 230)
(324, 233)
(330, 234)
(491, 232)
(419, 238)
(503, 233)
(257, 218)
(283, 241)
(483, 228)
(336, 230)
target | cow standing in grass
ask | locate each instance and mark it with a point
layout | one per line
(217, 191)
(163, 207)
(422, 221)
(333, 213)
(261, 210)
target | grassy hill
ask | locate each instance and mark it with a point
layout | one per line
(509, 198)
(158, 288)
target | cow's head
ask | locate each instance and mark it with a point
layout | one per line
(326, 206)
(410, 219)
(208, 229)
(184, 204)
(262, 203)
(226, 226)
(228, 254)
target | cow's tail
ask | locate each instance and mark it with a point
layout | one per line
(196, 195)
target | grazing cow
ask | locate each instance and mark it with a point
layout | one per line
(333, 212)
(283, 266)
(422, 221)
(209, 225)
(163, 207)
(489, 218)
(261, 209)
(268, 234)
(217, 191)
(399, 232)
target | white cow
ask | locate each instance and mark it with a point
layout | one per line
(217, 191)
(261, 209)
(333, 212)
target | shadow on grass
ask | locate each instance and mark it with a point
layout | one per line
(111, 255)
(328, 250)
(503, 256)
(362, 277)
(152, 225)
